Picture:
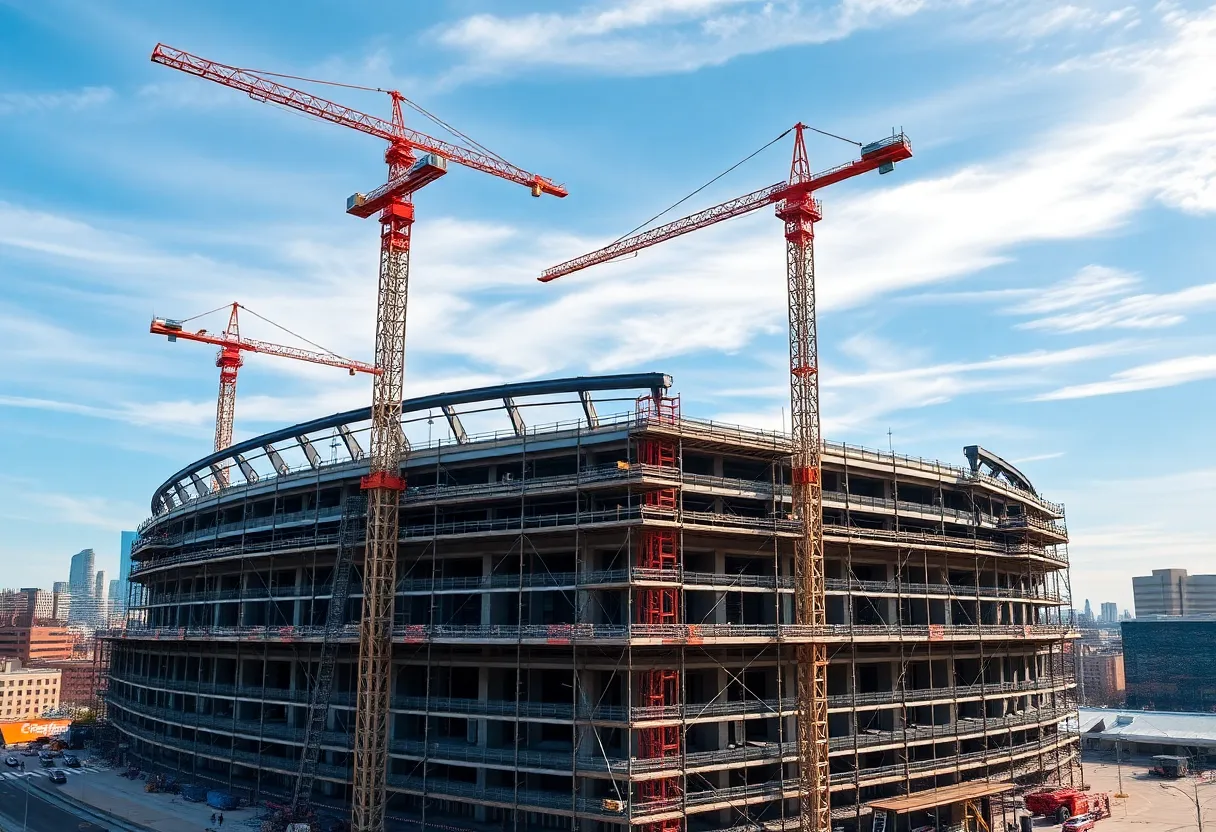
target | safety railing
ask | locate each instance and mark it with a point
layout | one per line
(274, 762)
(184, 494)
(1028, 521)
(989, 757)
(229, 724)
(843, 533)
(836, 585)
(591, 633)
(948, 731)
(457, 752)
(959, 692)
(436, 705)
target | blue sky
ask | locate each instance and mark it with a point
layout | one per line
(1039, 279)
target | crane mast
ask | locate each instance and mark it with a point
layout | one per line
(796, 206)
(799, 213)
(230, 359)
(384, 483)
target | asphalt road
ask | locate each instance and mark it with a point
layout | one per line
(43, 817)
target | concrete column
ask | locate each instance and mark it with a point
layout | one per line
(487, 565)
(720, 681)
(719, 569)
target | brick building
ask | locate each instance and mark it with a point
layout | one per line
(77, 684)
(1102, 678)
(35, 643)
(25, 693)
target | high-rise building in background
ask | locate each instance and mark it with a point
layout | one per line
(40, 604)
(1110, 612)
(124, 565)
(61, 600)
(1170, 663)
(1087, 617)
(101, 604)
(1103, 683)
(13, 605)
(114, 604)
(81, 585)
(1173, 592)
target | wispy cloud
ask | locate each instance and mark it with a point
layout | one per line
(1113, 522)
(1100, 298)
(1168, 373)
(1037, 457)
(894, 381)
(1032, 22)
(646, 37)
(857, 399)
(17, 103)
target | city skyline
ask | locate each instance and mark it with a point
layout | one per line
(80, 582)
(48, 571)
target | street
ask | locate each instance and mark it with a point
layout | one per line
(43, 817)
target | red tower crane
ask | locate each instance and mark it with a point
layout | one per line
(229, 359)
(393, 201)
(797, 208)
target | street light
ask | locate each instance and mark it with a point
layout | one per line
(1119, 765)
(26, 817)
(1193, 798)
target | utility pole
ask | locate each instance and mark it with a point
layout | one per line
(1119, 766)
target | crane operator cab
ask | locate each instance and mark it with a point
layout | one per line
(167, 324)
(877, 148)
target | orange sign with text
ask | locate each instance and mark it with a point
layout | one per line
(28, 730)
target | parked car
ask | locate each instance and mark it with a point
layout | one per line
(71, 761)
(1079, 823)
(58, 776)
(11, 761)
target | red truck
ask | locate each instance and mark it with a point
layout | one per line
(1063, 804)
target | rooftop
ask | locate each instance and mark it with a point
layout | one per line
(1150, 726)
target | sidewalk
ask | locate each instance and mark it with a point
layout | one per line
(162, 812)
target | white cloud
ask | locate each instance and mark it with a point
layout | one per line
(476, 302)
(1095, 298)
(1091, 284)
(1121, 527)
(644, 37)
(17, 103)
(855, 400)
(1152, 142)
(1168, 373)
(1033, 22)
(1099, 298)
(894, 381)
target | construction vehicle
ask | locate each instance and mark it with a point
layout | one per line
(1062, 804)
(392, 202)
(1170, 766)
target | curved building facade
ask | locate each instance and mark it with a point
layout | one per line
(595, 618)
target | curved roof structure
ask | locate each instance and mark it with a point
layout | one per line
(997, 467)
(197, 475)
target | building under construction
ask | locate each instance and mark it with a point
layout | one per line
(595, 620)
